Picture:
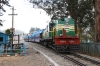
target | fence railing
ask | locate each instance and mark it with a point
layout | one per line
(9, 49)
(90, 48)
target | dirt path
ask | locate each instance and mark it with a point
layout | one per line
(33, 58)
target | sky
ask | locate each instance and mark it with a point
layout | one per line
(26, 17)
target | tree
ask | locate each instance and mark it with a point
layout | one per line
(79, 10)
(2, 3)
(7, 31)
(1, 22)
(97, 19)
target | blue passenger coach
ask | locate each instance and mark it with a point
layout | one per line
(35, 36)
(26, 38)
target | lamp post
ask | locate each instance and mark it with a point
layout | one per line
(12, 29)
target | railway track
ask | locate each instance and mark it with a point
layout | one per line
(87, 59)
(73, 60)
(76, 58)
(80, 61)
(66, 57)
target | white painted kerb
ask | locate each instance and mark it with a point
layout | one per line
(50, 60)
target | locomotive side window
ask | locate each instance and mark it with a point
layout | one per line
(47, 28)
(50, 27)
(1, 38)
(62, 19)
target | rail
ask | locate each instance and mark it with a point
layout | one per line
(73, 60)
(86, 59)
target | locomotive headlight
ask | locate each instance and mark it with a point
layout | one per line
(64, 28)
(76, 35)
(60, 34)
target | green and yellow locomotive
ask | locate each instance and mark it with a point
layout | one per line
(60, 35)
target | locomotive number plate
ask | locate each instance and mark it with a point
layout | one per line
(62, 41)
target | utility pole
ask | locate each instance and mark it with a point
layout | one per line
(12, 29)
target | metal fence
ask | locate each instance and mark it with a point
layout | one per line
(8, 50)
(7, 47)
(90, 48)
